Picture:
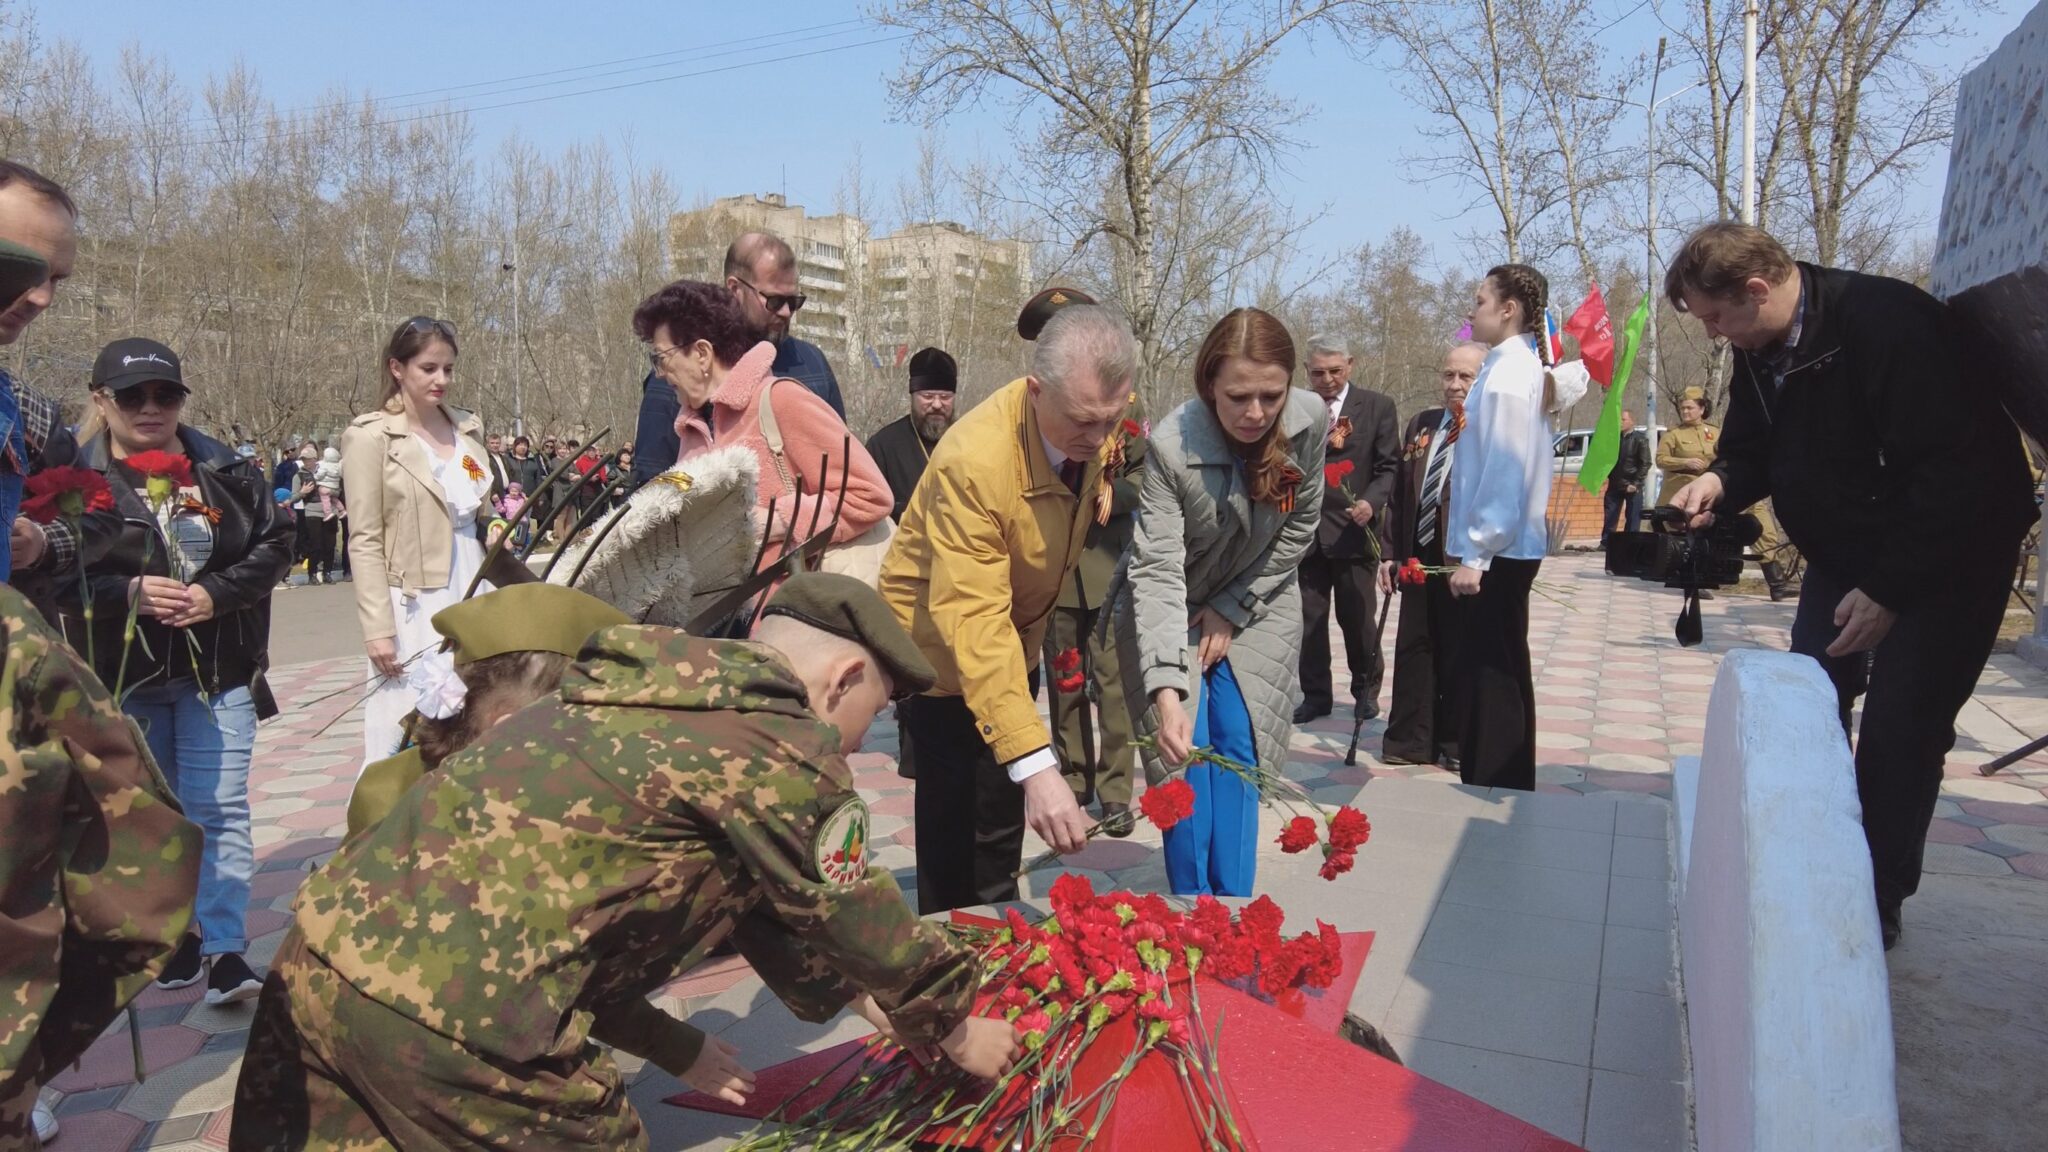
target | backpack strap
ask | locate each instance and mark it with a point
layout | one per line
(772, 434)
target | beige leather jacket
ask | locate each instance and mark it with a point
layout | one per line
(399, 532)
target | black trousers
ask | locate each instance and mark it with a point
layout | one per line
(970, 817)
(1353, 586)
(317, 540)
(1616, 504)
(1918, 679)
(1497, 693)
(1424, 721)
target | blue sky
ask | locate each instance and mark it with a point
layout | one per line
(770, 126)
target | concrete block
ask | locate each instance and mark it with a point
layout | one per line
(1787, 997)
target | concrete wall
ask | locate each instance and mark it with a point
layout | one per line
(1788, 1004)
(1991, 257)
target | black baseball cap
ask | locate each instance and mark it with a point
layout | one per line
(127, 363)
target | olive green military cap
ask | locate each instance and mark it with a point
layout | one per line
(524, 618)
(849, 609)
(20, 270)
(1039, 309)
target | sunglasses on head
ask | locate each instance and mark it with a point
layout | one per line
(419, 323)
(776, 304)
(162, 394)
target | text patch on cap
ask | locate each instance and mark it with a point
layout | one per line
(839, 849)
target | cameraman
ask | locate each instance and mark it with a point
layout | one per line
(1899, 479)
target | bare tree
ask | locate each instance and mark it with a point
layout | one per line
(1126, 95)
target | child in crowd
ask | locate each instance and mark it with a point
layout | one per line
(327, 478)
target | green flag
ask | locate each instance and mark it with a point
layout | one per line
(1605, 449)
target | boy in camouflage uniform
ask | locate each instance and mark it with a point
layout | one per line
(446, 974)
(97, 866)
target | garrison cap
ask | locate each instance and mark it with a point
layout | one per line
(524, 618)
(1699, 394)
(1039, 309)
(851, 610)
(20, 270)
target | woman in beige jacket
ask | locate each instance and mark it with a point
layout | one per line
(419, 489)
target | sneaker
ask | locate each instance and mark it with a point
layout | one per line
(46, 1123)
(185, 967)
(230, 980)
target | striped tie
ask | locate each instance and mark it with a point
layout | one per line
(1433, 479)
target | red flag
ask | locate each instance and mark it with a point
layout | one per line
(1595, 335)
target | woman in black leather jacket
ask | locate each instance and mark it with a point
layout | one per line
(199, 568)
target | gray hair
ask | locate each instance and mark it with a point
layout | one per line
(1328, 346)
(1084, 337)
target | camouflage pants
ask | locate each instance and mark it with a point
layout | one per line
(328, 1068)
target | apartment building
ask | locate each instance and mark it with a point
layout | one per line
(828, 254)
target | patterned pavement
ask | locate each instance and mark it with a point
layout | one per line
(1617, 699)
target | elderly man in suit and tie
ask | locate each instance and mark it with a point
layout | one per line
(1423, 728)
(1340, 567)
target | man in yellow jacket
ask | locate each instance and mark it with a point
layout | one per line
(997, 523)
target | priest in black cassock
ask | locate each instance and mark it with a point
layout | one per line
(903, 448)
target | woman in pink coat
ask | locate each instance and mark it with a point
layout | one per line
(699, 341)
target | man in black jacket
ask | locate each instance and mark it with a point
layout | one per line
(1342, 565)
(902, 448)
(1624, 497)
(1900, 479)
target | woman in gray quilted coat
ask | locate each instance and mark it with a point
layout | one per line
(1207, 611)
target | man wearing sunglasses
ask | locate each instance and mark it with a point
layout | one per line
(38, 217)
(760, 271)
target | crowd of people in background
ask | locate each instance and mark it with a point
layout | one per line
(1176, 575)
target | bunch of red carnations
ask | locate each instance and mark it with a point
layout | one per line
(1110, 974)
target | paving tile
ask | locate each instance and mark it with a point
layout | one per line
(1546, 1093)
(177, 1130)
(1639, 903)
(1567, 950)
(1498, 1011)
(1957, 860)
(1642, 858)
(2026, 837)
(1639, 960)
(101, 1131)
(1638, 1033)
(204, 1083)
(1536, 845)
(1510, 887)
(1647, 818)
(1635, 1114)
(96, 1100)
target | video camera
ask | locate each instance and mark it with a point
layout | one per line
(1690, 559)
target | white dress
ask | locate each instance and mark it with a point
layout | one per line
(429, 679)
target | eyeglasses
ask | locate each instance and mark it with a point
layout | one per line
(443, 327)
(776, 304)
(656, 355)
(163, 395)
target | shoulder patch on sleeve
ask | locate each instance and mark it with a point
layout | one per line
(839, 848)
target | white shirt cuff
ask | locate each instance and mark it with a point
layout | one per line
(1031, 764)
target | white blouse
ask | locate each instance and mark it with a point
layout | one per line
(1500, 489)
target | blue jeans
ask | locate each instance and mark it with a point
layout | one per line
(1216, 850)
(203, 746)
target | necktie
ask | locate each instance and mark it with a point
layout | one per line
(1070, 475)
(1433, 478)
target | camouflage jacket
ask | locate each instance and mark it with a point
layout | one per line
(97, 866)
(540, 884)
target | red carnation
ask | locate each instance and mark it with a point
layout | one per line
(1262, 918)
(65, 493)
(1335, 472)
(177, 469)
(1349, 829)
(1133, 428)
(1071, 892)
(1067, 661)
(1173, 1016)
(1168, 804)
(1336, 863)
(1299, 835)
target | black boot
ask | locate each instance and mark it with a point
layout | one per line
(1775, 577)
